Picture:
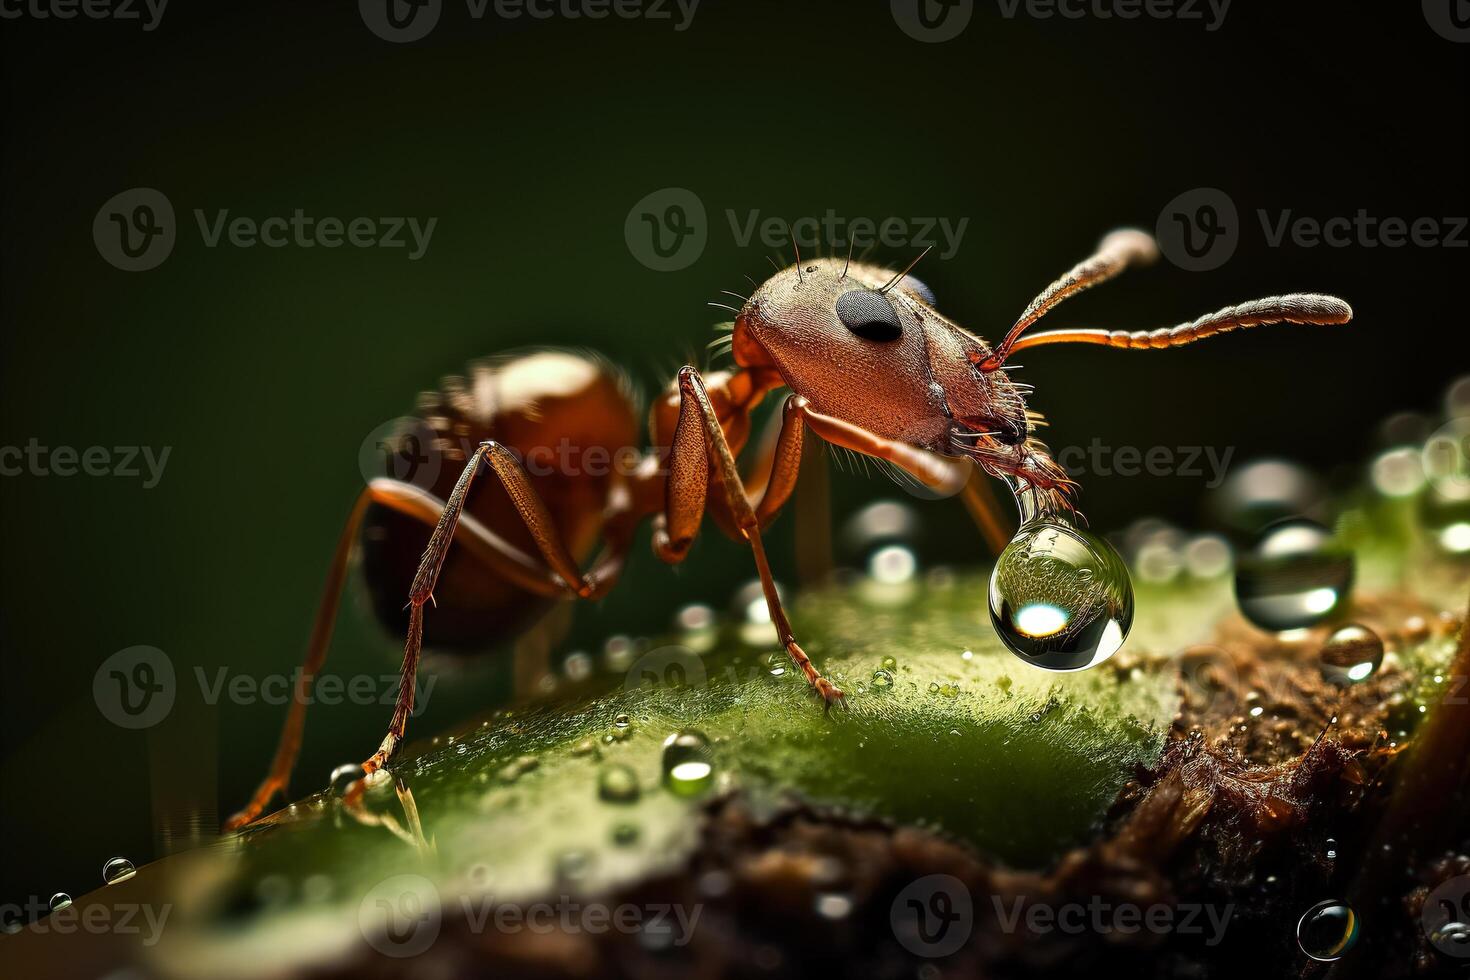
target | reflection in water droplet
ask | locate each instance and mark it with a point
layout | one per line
(776, 664)
(622, 721)
(1327, 931)
(688, 763)
(59, 901)
(1350, 655)
(118, 869)
(882, 680)
(1295, 577)
(342, 778)
(889, 664)
(1049, 613)
(1331, 849)
(618, 784)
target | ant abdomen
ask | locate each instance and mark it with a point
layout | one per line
(569, 417)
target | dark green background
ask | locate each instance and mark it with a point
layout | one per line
(530, 141)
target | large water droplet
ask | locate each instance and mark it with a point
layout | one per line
(1260, 493)
(1350, 655)
(118, 869)
(1295, 577)
(618, 784)
(1060, 597)
(688, 763)
(1327, 931)
(59, 901)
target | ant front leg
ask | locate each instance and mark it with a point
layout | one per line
(699, 443)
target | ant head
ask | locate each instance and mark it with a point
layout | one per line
(864, 344)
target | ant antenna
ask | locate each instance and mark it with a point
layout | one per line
(850, 243)
(1116, 252)
(909, 268)
(773, 263)
(797, 249)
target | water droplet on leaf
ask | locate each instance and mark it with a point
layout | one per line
(688, 763)
(1350, 655)
(118, 869)
(618, 784)
(1295, 577)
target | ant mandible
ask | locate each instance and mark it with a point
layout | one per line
(872, 367)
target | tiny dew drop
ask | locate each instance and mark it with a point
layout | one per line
(889, 664)
(617, 784)
(118, 869)
(1352, 654)
(1327, 931)
(1060, 597)
(622, 721)
(688, 763)
(625, 834)
(1295, 577)
(882, 680)
(59, 901)
(776, 664)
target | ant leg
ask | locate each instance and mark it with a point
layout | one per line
(563, 576)
(698, 443)
(289, 747)
(405, 498)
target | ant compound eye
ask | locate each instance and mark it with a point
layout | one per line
(867, 313)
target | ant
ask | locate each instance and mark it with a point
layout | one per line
(872, 367)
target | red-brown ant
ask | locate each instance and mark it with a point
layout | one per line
(872, 368)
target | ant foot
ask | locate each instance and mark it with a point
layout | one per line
(831, 693)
